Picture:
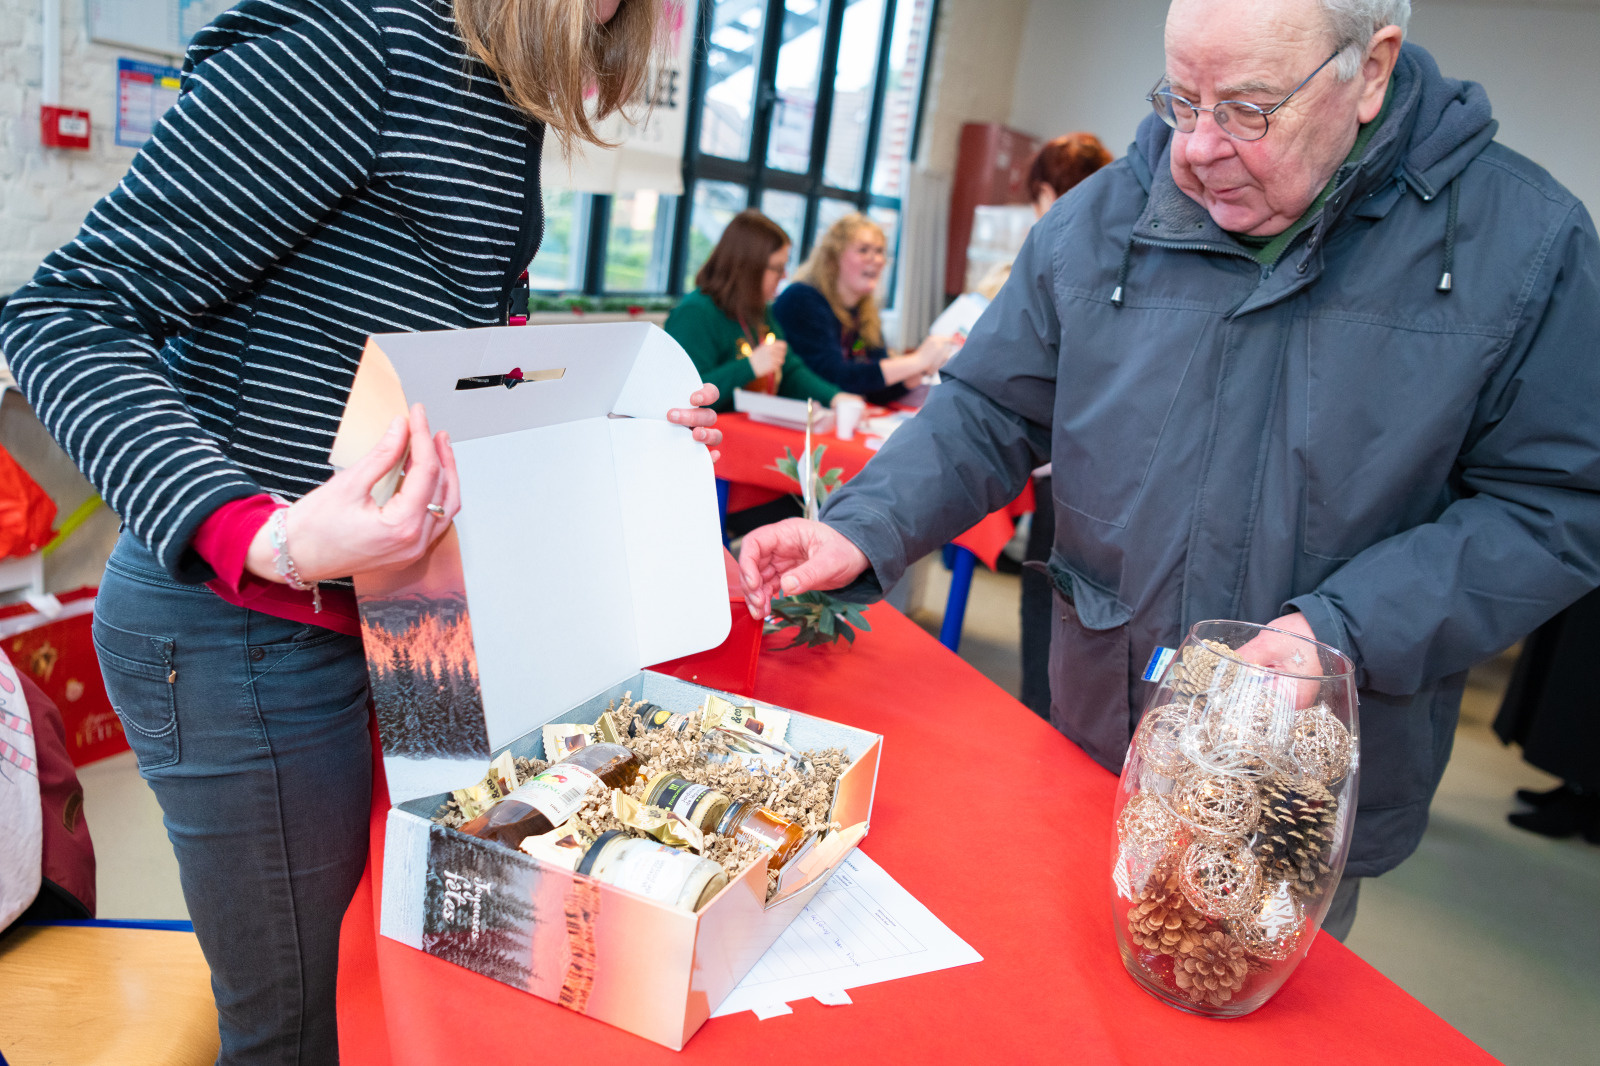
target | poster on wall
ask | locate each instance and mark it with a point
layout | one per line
(650, 154)
(162, 26)
(144, 92)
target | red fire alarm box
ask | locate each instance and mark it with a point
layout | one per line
(63, 127)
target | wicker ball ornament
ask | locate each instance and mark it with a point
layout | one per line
(1321, 744)
(1271, 929)
(1159, 735)
(1220, 879)
(1145, 826)
(1218, 803)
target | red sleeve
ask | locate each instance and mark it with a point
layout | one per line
(223, 540)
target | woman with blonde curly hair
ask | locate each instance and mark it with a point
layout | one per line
(332, 169)
(830, 316)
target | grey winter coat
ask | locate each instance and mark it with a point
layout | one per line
(1417, 471)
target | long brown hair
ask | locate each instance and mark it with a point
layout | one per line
(1065, 161)
(821, 272)
(547, 54)
(733, 274)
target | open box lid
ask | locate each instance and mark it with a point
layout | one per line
(588, 544)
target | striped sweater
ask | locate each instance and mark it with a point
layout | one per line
(333, 168)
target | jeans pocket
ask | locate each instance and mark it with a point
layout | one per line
(140, 682)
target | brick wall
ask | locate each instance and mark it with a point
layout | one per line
(45, 192)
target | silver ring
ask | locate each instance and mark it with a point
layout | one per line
(435, 509)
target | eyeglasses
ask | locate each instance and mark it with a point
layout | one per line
(1239, 120)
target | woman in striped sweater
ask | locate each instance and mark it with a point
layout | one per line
(332, 169)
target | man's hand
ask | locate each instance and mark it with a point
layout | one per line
(1279, 652)
(795, 556)
(701, 417)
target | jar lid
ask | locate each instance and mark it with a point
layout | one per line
(729, 815)
(655, 783)
(593, 854)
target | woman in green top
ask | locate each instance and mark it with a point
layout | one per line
(726, 323)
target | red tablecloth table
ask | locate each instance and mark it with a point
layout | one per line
(1001, 827)
(749, 450)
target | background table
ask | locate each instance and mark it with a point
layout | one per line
(745, 478)
(1002, 827)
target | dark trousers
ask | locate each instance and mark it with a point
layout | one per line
(252, 732)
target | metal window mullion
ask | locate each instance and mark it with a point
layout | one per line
(922, 90)
(698, 75)
(822, 119)
(594, 266)
(766, 99)
(880, 90)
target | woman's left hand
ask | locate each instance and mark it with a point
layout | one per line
(701, 417)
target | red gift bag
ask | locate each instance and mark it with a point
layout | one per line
(26, 511)
(58, 655)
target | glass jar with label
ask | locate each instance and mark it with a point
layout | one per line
(652, 717)
(699, 805)
(541, 803)
(677, 878)
(761, 827)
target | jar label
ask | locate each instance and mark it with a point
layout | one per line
(558, 792)
(652, 870)
(680, 797)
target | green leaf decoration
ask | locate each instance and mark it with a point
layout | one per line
(817, 619)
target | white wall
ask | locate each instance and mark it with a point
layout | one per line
(975, 48)
(45, 192)
(1086, 64)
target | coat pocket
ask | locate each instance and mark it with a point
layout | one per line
(139, 676)
(1089, 667)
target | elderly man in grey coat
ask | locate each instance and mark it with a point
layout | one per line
(1317, 352)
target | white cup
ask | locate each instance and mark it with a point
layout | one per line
(846, 416)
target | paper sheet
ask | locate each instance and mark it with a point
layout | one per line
(861, 928)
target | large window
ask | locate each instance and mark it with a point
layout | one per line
(806, 109)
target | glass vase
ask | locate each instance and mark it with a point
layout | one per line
(1233, 815)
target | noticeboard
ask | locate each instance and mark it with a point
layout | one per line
(144, 92)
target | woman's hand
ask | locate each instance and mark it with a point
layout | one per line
(795, 556)
(338, 528)
(768, 358)
(701, 417)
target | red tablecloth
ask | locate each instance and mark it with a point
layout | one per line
(1013, 855)
(749, 450)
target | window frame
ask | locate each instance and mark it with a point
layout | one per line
(752, 172)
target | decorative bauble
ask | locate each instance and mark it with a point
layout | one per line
(1212, 971)
(1220, 878)
(1158, 737)
(1161, 920)
(1146, 826)
(1246, 729)
(1271, 929)
(1217, 803)
(1295, 833)
(1321, 744)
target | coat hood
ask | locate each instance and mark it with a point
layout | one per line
(1446, 122)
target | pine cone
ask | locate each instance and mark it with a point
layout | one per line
(1295, 832)
(1193, 674)
(1212, 970)
(1160, 918)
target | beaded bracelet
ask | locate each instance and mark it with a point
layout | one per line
(283, 562)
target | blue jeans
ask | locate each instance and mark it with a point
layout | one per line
(252, 732)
